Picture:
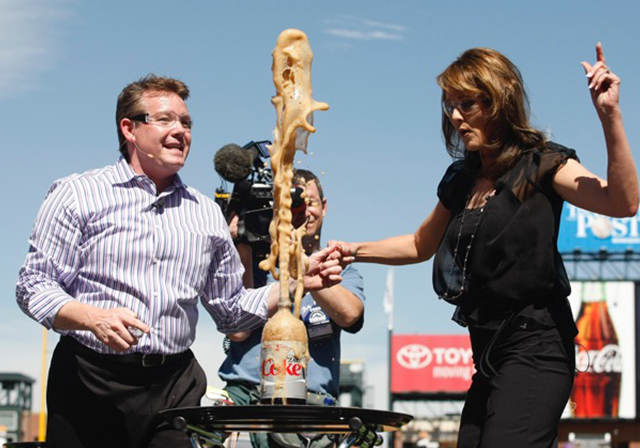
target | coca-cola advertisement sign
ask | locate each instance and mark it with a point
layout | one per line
(430, 363)
(605, 382)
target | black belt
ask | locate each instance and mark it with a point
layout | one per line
(135, 359)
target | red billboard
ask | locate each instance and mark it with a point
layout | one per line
(430, 363)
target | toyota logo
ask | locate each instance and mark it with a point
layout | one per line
(414, 356)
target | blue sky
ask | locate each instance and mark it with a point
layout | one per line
(378, 148)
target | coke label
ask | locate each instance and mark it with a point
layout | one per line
(607, 360)
(596, 389)
(283, 377)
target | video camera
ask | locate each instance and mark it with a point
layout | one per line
(252, 197)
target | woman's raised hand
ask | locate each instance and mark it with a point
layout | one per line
(604, 85)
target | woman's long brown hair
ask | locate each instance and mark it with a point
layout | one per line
(492, 77)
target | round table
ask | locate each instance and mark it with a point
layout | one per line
(209, 425)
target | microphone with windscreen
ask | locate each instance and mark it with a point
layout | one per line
(233, 163)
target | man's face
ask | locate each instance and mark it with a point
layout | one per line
(160, 148)
(314, 212)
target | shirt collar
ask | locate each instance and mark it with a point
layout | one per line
(125, 174)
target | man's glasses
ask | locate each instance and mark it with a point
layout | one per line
(464, 106)
(165, 120)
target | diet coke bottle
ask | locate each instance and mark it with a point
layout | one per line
(596, 390)
(283, 360)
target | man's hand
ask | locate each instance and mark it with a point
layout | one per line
(113, 327)
(325, 267)
(233, 220)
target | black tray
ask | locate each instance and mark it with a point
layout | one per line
(279, 418)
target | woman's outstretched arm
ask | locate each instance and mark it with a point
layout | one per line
(403, 249)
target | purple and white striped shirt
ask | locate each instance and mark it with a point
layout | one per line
(105, 239)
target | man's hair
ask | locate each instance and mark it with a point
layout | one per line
(302, 177)
(497, 82)
(131, 99)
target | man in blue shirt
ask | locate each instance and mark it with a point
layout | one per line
(325, 313)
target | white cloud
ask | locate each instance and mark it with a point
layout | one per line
(354, 28)
(28, 41)
(389, 26)
(363, 35)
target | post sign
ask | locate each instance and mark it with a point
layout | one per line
(591, 232)
(430, 363)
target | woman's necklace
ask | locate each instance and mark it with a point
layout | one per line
(448, 295)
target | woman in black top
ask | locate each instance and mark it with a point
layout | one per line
(493, 234)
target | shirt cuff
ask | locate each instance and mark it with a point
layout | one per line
(44, 306)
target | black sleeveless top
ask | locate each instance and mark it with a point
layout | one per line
(513, 265)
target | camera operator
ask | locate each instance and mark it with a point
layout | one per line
(249, 208)
(325, 314)
(253, 276)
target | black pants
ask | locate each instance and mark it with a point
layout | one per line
(520, 402)
(94, 401)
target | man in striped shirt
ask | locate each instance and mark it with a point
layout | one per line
(119, 258)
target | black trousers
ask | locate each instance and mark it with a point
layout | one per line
(519, 402)
(97, 401)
